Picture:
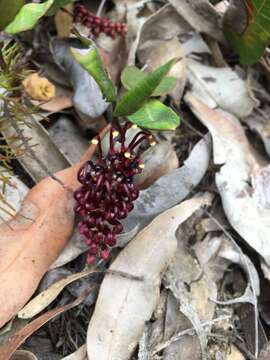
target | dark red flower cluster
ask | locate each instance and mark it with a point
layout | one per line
(98, 25)
(108, 191)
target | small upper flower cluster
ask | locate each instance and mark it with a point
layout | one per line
(108, 191)
(98, 25)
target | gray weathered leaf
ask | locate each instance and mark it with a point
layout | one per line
(68, 138)
(88, 98)
(215, 87)
(172, 188)
(50, 159)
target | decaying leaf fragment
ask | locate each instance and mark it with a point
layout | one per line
(38, 87)
(242, 181)
(118, 321)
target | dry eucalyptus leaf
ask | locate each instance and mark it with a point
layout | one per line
(23, 355)
(201, 15)
(8, 349)
(172, 188)
(38, 87)
(14, 193)
(118, 321)
(235, 354)
(50, 159)
(79, 354)
(88, 98)
(193, 289)
(241, 180)
(260, 124)
(73, 248)
(46, 297)
(61, 101)
(159, 160)
(66, 135)
(188, 347)
(33, 239)
(164, 24)
(215, 87)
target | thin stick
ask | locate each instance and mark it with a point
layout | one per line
(189, 331)
(100, 8)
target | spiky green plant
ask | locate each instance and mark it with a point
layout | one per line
(13, 107)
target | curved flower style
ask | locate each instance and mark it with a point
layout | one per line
(108, 191)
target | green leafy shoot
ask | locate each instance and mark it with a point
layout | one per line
(251, 42)
(132, 75)
(8, 11)
(156, 116)
(91, 61)
(28, 16)
(135, 98)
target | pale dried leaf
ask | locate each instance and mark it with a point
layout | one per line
(79, 354)
(201, 15)
(23, 355)
(164, 24)
(46, 297)
(215, 87)
(159, 160)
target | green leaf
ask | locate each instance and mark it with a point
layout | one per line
(156, 116)
(251, 41)
(57, 5)
(91, 61)
(132, 75)
(28, 16)
(8, 11)
(133, 99)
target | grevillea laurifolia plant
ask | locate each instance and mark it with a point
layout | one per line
(107, 192)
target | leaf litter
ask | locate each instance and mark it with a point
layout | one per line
(194, 249)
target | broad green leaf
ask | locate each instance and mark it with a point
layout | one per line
(156, 116)
(132, 75)
(57, 5)
(28, 16)
(91, 61)
(135, 98)
(8, 11)
(251, 41)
